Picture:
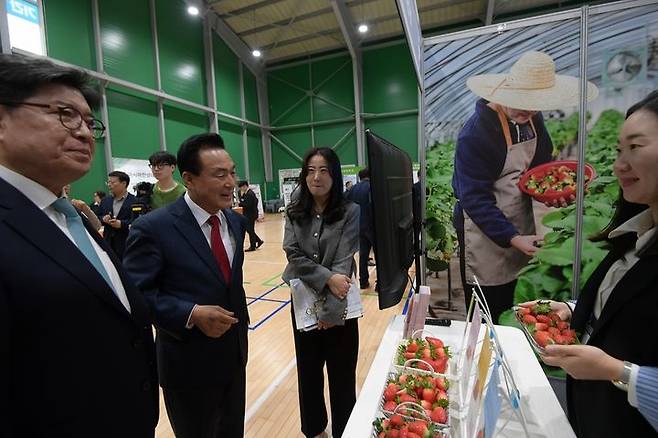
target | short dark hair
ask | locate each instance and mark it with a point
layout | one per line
(300, 208)
(364, 173)
(101, 194)
(188, 154)
(243, 183)
(162, 157)
(123, 176)
(22, 77)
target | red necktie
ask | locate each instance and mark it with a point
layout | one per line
(218, 249)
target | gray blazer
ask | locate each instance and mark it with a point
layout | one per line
(316, 251)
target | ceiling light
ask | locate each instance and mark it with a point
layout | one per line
(193, 10)
(256, 53)
(363, 28)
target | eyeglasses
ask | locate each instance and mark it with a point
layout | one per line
(159, 166)
(69, 117)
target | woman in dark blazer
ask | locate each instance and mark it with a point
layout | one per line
(320, 240)
(617, 310)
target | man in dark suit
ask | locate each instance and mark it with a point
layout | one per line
(187, 260)
(76, 345)
(249, 204)
(360, 194)
(116, 212)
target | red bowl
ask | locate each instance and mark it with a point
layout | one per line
(553, 195)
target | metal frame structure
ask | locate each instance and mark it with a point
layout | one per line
(583, 14)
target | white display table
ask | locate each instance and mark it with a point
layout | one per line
(542, 409)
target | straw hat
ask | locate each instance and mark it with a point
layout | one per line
(531, 85)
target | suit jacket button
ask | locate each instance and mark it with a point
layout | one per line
(146, 386)
(315, 234)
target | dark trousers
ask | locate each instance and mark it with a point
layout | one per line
(365, 244)
(253, 237)
(338, 348)
(214, 412)
(499, 298)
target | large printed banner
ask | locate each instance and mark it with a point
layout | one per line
(25, 29)
(137, 170)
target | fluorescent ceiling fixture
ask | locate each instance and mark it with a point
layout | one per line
(363, 28)
(256, 53)
(193, 10)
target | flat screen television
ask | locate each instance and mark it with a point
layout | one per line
(391, 182)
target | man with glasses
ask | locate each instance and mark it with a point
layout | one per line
(166, 190)
(75, 340)
(116, 212)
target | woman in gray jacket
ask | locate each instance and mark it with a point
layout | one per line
(320, 240)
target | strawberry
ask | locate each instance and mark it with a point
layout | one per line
(403, 433)
(426, 404)
(412, 347)
(441, 395)
(529, 319)
(439, 415)
(541, 327)
(404, 397)
(543, 338)
(554, 331)
(409, 355)
(396, 421)
(440, 365)
(523, 311)
(441, 383)
(381, 435)
(438, 343)
(562, 325)
(559, 339)
(413, 435)
(391, 391)
(393, 433)
(390, 406)
(428, 394)
(554, 316)
(418, 427)
(403, 379)
(543, 318)
(427, 354)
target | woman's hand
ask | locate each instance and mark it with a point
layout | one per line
(562, 309)
(526, 244)
(584, 362)
(324, 325)
(339, 285)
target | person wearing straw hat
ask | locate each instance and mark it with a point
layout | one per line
(503, 138)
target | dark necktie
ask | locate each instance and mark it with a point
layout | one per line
(218, 249)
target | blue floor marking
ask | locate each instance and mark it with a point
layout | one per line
(284, 304)
(269, 300)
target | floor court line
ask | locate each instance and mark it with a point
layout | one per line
(268, 391)
(274, 312)
(269, 300)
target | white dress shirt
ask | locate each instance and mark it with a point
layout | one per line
(43, 199)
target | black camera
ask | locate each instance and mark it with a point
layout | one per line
(142, 204)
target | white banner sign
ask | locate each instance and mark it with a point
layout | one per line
(137, 170)
(24, 21)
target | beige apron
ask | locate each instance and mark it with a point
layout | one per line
(492, 264)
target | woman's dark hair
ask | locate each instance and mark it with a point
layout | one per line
(625, 210)
(301, 207)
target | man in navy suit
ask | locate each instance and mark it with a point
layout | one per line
(116, 212)
(360, 194)
(187, 260)
(77, 349)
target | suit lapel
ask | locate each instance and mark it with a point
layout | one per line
(35, 227)
(189, 228)
(638, 280)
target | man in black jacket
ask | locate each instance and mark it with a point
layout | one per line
(249, 204)
(116, 212)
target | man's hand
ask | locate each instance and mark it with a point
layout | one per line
(106, 219)
(115, 223)
(339, 285)
(562, 309)
(526, 244)
(584, 362)
(213, 321)
(561, 202)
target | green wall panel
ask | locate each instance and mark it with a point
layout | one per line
(232, 135)
(256, 164)
(389, 80)
(299, 140)
(283, 96)
(401, 131)
(133, 125)
(94, 180)
(250, 96)
(329, 135)
(338, 88)
(180, 42)
(126, 40)
(181, 124)
(227, 78)
(70, 32)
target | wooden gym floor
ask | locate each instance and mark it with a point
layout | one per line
(272, 406)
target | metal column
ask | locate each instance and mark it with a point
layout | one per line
(264, 114)
(158, 77)
(4, 29)
(243, 110)
(109, 165)
(211, 91)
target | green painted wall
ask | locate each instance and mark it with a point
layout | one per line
(127, 43)
(389, 84)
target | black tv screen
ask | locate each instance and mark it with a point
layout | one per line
(391, 182)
